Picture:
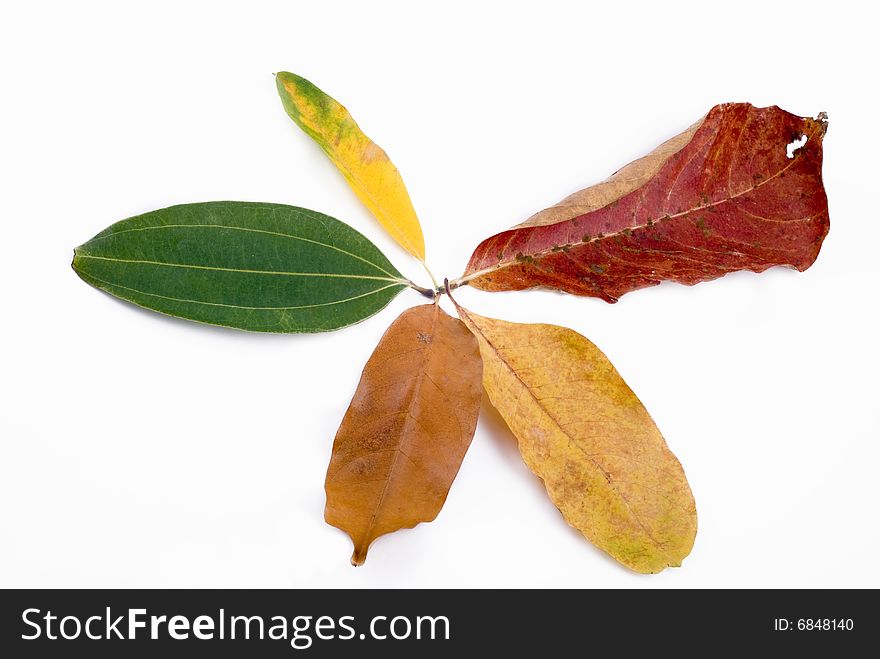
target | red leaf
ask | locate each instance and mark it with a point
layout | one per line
(727, 194)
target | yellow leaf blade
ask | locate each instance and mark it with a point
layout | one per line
(366, 167)
(582, 430)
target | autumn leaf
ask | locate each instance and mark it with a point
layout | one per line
(582, 430)
(408, 427)
(736, 191)
(364, 164)
(251, 266)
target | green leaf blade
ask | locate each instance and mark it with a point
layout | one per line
(251, 266)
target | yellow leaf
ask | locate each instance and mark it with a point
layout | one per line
(581, 429)
(366, 167)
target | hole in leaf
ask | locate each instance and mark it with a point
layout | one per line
(795, 145)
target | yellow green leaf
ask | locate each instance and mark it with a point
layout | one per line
(366, 167)
(582, 430)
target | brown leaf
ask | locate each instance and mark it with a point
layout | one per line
(730, 193)
(407, 429)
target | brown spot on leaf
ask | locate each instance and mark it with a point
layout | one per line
(701, 225)
(372, 153)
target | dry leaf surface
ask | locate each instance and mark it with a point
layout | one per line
(408, 427)
(583, 431)
(733, 192)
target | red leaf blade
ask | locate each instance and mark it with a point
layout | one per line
(725, 195)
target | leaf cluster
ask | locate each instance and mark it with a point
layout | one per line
(727, 194)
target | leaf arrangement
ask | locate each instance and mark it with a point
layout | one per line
(730, 193)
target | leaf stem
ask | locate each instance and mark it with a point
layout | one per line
(427, 292)
(463, 280)
(430, 274)
(447, 287)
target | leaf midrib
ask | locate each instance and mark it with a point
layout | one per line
(239, 270)
(247, 229)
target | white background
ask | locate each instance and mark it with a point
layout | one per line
(139, 450)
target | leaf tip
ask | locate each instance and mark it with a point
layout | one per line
(73, 261)
(822, 119)
(291, 83)
(358, 556)
(286, 83)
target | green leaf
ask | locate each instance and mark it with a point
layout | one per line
(252, 266)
